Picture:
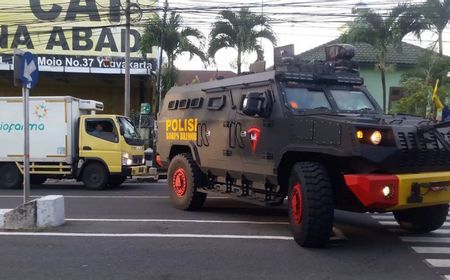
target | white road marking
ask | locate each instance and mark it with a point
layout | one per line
(438, 231)
(338, 234)
(432, 250)
(438, 262)
(111, 196)
(425, 239)
(150, 235)
(394, 223)
(384, 217)
(179, 221)
(446, 277)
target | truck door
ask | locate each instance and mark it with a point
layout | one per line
(99, 139)
(257, 137)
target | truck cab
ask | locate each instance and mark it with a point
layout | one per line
(109, 143)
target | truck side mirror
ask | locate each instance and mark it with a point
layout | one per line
(256, 103)
(122, 130)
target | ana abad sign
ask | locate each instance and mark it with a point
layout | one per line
(74, 27)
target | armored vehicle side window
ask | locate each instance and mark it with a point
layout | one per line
(196, 102)
(103, 129)
(352, 100)
(216, 103)
(173, 105)
(305, 99)
(184, 103)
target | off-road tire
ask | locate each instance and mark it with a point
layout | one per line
(423, 219)
(183, 178)
(116, 180)
(95, 176)
(10, 177)
(37, 180)
(311, 207)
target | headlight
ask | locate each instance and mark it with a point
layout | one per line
(126, 159)
(387, 191)
(376, 137)
(360, 134)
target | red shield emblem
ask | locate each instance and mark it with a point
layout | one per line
(253, 134)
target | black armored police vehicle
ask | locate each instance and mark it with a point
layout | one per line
(310, 132)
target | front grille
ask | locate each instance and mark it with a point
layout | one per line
(137, 159)
(422, 150)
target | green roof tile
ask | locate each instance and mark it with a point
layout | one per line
(407, 55)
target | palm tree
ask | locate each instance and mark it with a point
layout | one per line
(177, 40)
(240, 30)
(382, 32)
(432, 15)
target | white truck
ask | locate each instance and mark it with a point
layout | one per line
(68, 140)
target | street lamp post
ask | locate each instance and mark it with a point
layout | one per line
(127, 60)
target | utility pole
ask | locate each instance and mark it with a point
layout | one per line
(166, 5)
(127, 60)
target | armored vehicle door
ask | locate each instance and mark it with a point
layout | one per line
(255, 121)
(213, 130)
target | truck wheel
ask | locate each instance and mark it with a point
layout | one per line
(116, 180)
(95, 176)
(311, 208)
(37, 179)
(423, 219)
(10, 177)
(184, 177)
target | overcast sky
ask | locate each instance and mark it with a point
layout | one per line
(306, 24)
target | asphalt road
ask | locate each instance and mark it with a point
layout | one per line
(133, 233)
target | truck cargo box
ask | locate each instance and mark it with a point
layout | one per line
(52, 124)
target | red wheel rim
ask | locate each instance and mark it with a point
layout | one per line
(297, 203)
(179, 182)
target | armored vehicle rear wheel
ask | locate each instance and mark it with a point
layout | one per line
(424, 219)
(184, 177)
(95, 176)
(311, 208)
(10, 177)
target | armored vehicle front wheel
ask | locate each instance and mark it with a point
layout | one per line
(311, 208)
(10, 177)
(184, 177)
(423, 219)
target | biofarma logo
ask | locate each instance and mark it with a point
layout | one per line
(40, 111)
(12, 127)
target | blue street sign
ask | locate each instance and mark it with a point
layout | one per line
(29, 70)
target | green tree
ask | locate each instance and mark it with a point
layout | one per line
(431, 15)
(417, 97)
(383, 32)
(177, 40)
(429, 68)
(240, 30)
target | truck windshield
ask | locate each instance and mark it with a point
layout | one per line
(352, 100)
(130, 133)
(306, 99)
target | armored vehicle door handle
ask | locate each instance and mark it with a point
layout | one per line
(87, 148)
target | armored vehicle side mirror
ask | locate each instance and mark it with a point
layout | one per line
(255, 103)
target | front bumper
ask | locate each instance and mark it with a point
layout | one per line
(408, 190)
(140, 170)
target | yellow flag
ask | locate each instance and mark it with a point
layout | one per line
(436, 100)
